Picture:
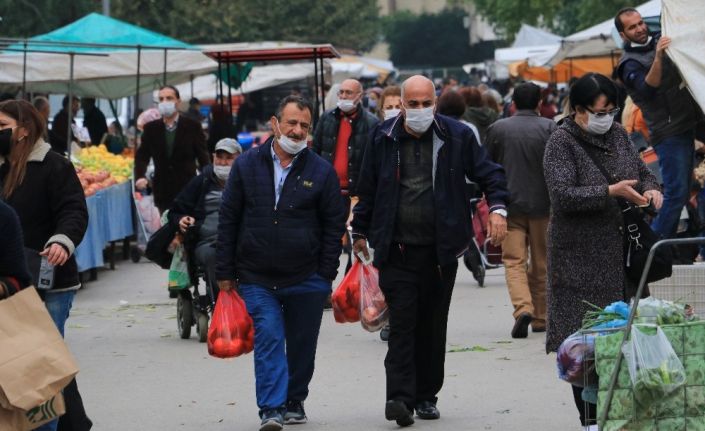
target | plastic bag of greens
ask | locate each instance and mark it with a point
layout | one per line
(661, 312)
(654, 368)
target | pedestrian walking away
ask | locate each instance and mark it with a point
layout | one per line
(279, 233)
(518, 144)
(414, 212)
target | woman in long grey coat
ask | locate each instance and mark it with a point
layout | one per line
(585, 233)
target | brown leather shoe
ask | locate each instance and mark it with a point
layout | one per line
(537, 329)
(521, 326)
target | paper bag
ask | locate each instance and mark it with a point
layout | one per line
(35, 363)
(20, 420)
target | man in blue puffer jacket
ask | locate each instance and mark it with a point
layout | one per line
(281, 221)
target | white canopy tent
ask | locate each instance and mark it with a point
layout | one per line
(260, 77)
(599, 40)
(111, 76)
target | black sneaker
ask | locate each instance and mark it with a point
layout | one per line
(397, 411)
(272, 420)
(384, 333)
(427, 410)
(295, 413)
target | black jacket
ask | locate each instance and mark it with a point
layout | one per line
(517, 143)
(12, 257)
(190, 201)
(171, 174)
(457, 155)
(95, 122)
(325, 139)
(279, 247)
(51, 206)
(669, 110)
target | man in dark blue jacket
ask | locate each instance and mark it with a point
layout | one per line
(281, 221)
(414, 211)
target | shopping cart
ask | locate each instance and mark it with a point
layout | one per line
(687, 285)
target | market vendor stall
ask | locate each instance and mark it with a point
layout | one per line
(104, 177)
(109, 219)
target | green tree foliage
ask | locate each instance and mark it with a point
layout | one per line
(25, 18)
(345, 24)
(562, 16)
(438, 40)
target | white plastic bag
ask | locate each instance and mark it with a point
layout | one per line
(654, 368)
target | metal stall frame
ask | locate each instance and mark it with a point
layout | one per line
(228, 54)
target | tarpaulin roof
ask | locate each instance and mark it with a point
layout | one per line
(110, 76)
(269, 51)
(95, 28)
(598, 40)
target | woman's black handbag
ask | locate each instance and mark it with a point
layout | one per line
(158, 246)
(638, 238)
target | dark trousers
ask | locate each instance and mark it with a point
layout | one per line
(418, 293)
(587, 411)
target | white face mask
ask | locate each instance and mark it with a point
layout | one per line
(599, 125)
(346, 105)
(391, 113)
(289, 145)
(167, 109)
(419, 120)
(222, 172)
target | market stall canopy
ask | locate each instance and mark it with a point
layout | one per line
(563, 71)
(683, 22)
(268, 51)
(599, 40)
(358, 67)
(110, 76)
(259, 78)
(532, 36)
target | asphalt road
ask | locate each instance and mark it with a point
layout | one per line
(137, 374)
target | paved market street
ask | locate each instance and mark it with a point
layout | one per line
(137, 374)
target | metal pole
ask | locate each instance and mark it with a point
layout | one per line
(137, 90)
(70, 105)
(230, 96)
(24, 69)
(315, 86)
(220, 83)
(106, 7)
(192, 86)
(165, 52)
(323, 83)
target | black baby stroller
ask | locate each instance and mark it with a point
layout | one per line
(481, 254)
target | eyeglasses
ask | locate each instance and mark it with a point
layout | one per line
(611, 113)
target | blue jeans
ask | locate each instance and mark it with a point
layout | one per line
(59, 305)
(675, 158)
(287, 322)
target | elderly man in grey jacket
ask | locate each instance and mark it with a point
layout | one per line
(518, 144)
